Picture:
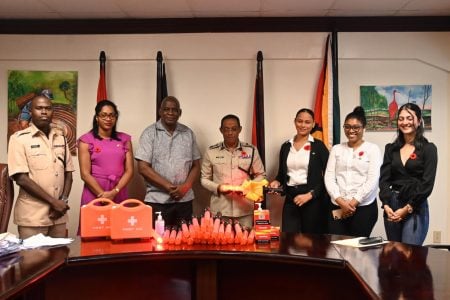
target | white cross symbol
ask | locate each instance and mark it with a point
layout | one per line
(132, 220)
(102, 219)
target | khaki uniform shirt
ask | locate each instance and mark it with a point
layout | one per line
(30, 151)
(221, 166)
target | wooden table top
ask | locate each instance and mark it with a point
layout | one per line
(20, 271)
(392, 270)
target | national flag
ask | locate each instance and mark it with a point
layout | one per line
(101, 90)
(326, 108)
(161, 82)
(258, 110)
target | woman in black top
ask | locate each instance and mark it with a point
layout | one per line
(302, 164)
(406, 179)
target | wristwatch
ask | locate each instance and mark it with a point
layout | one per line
(64, 198)
(409, 208)
(312, 193)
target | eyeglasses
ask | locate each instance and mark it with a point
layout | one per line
(104, 116)
(350, 127)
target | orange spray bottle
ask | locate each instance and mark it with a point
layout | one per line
(238, 230)
(166, 235)
(244, 237)
(251, 237)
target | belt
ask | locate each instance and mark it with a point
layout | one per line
(110, 177)
(298, 186)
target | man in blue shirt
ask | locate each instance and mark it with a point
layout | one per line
(169, 160)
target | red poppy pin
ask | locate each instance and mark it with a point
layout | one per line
(97, 149)
(307, 147)
(244, 154)
(413, 156)
(361, 153)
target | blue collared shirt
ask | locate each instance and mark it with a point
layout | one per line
(170, 155)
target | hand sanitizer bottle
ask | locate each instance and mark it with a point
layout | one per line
(159, 224)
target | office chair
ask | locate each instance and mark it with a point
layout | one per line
(6, 197)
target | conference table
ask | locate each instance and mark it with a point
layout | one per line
(298, 266)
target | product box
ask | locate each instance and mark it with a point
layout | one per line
(95, 218)
(131, 219)
(275, 233)
(262, 236)
(261, 217)
(262, 227)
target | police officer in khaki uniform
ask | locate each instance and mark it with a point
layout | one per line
(40, 162)
(226, 165)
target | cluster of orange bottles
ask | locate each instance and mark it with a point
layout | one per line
(208, 229)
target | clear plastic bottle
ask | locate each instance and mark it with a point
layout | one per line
(159, 224)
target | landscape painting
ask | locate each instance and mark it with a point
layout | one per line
(59, 86)
(381, 104)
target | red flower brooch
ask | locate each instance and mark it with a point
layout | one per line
(307, 147)
(97, 149)
(361, 153)
(244, 154)
(413, 156)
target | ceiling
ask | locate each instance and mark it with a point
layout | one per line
(151, 9)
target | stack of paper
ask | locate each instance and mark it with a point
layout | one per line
(40, 240)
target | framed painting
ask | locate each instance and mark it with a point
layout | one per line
(59, 86)
(381, 104)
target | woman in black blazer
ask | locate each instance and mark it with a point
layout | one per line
(302, 164)
(407, 178)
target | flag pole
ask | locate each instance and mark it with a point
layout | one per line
(161, 82)
(101, 90)
(336, 102)
(258, 109)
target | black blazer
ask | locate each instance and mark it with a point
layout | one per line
(318, 159)
(414, 180)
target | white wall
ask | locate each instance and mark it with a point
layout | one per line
(213, 75)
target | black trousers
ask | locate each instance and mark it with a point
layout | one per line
(360, 224)
(308, 218)
(172, 213)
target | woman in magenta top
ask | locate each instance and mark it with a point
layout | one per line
(105, 157)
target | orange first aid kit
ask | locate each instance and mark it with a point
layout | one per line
(95, 218)
(131, 219)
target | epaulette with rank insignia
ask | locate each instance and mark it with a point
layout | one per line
(215, 146)
(58, 129)
(245, 144)
(22, 133)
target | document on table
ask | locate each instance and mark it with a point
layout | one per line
(7, 248)
(354, 242)
(40, 240)
(9, 243)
